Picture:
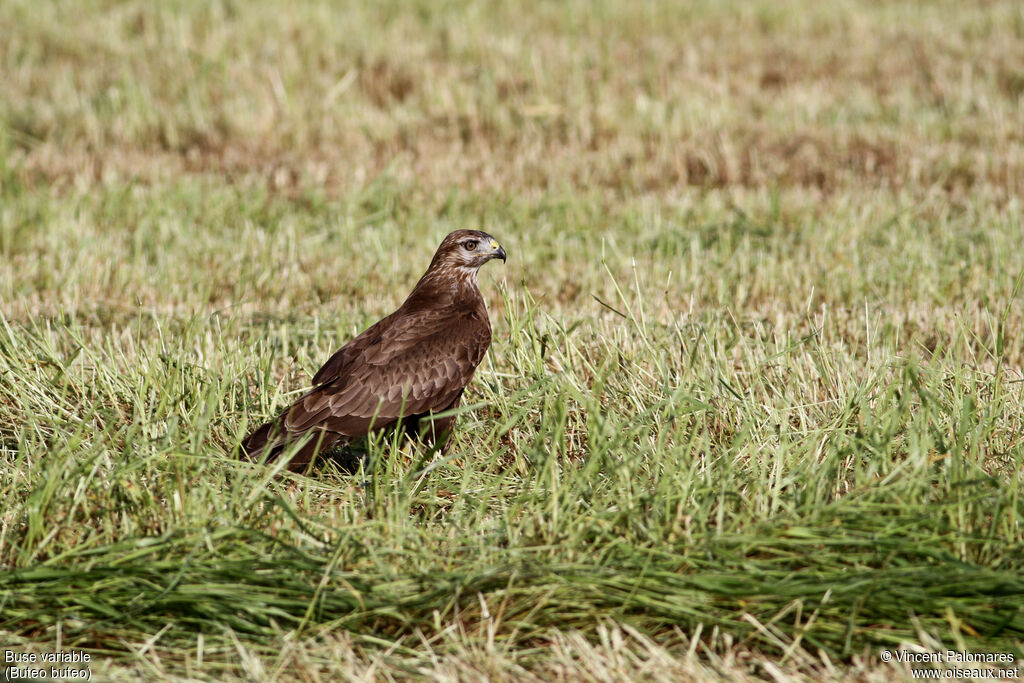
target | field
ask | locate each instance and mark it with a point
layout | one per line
(753, 408)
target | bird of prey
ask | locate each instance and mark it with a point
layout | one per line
(413, 363)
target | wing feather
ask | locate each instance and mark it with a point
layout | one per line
(417, 363)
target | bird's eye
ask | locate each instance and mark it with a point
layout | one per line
(470, 245)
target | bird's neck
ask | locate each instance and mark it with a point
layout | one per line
(446, 286)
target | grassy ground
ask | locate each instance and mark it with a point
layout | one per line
(754, 402)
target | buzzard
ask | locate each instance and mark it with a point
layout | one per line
(415, 362)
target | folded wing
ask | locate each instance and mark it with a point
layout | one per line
(404, 366)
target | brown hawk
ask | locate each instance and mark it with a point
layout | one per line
(412, 364)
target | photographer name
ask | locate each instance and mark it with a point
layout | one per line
(953, 656)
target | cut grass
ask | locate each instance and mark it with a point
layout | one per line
(753, 407)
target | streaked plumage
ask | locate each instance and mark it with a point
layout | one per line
(414, 362)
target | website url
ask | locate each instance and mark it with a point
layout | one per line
(963, 674)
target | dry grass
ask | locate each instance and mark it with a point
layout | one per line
(610, 97)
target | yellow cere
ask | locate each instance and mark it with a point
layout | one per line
(494, 244)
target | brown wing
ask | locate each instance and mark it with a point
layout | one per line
(420, 362)
(339, 364)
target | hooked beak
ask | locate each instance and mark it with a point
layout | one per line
(497, 250)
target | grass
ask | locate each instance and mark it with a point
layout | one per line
(754, 402)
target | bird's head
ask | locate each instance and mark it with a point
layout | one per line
(468, 250)
(452, 272)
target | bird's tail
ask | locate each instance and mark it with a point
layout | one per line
(270, 440)
(254, 445)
